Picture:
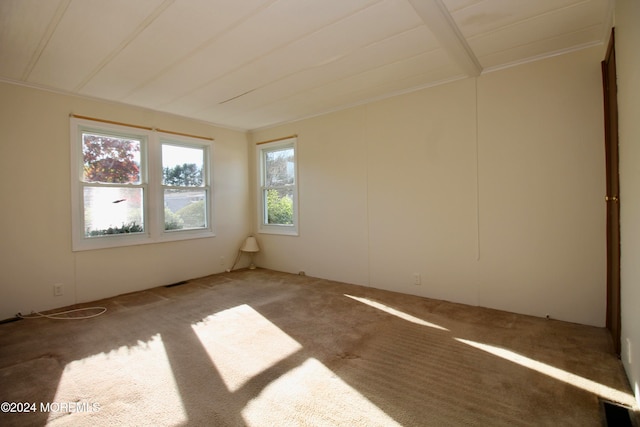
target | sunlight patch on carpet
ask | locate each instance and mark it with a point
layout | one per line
(286, 401)
(556, 373)
(123, 383)
(397, 313)
(242, 343)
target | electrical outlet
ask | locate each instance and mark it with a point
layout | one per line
(417, 279)
(222, 261)
(57, 290)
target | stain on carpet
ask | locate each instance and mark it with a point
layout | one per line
(138, 299)
(347, 355)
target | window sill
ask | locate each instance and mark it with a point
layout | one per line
(117, 241)
(284, 230)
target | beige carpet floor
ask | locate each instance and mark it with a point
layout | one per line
(262, 348)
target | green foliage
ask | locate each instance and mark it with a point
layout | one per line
(279, 209)
(185, 175)
(172, 221)
(193, 215)
(131, 227)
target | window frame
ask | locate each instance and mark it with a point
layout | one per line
(206, 181)
(151, 181)
(261, 150)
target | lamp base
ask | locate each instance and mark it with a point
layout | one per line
(252, 266)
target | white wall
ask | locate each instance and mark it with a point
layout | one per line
(542, 181)
(333, 241)
(35, 189)
(628, 68)
(490, 188)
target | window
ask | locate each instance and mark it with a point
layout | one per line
(184, 192)
(112, 183)
(278, 204)
(133, 186)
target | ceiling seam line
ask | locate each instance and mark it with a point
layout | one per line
(541, 57)
(195, 51)
(573, 47)
(523, 21)
(262, 86)
(208, 82)
(132, 36)
(317, 87)
(46, 38)
(360, 103)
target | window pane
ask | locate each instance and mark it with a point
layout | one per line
(185, 209)
(112, 211)
(279, 167)
(110, 159)
(279, 209)
(182, 166)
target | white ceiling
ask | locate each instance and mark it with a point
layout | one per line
(249, 64)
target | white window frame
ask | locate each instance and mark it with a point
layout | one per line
(151, 177)
(206, 179)
(261, 150)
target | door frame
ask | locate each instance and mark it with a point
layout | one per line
(612, 197)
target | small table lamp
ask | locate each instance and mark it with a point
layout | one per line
(251, 246)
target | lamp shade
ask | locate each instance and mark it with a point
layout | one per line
(250, 245)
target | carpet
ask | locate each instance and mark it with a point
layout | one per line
(264, 348)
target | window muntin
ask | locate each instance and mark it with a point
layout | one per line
(278, 187)
(119, 189)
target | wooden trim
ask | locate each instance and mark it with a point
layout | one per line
(185, 134)
(111, 122)
(276, 139)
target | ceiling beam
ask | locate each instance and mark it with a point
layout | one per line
(439, 21)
